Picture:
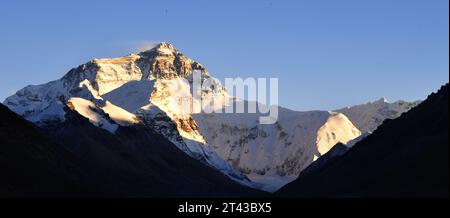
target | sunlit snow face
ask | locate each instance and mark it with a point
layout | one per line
(207, 95)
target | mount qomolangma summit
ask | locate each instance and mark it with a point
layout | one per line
(141, 91)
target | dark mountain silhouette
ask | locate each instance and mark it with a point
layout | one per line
(405, 157)
(31, 165)
(327, 159)
(77, 159)
(137, 162)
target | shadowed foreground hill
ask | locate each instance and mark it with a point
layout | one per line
(405, 157)
(137, 162)
(132, 163)
(31, 165)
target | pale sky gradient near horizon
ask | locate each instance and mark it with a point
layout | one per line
(327, 54)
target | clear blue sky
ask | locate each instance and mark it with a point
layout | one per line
(326, 53)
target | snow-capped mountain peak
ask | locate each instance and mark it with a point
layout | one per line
(367, 117)
(337, 129)
(383, 100)
(135, 89)
(164, 48)
(151, 89)
(165, 61)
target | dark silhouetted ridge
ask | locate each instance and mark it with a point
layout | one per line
(405, 157)
(31, 165)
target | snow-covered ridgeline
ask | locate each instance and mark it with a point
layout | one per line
(146, 88)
